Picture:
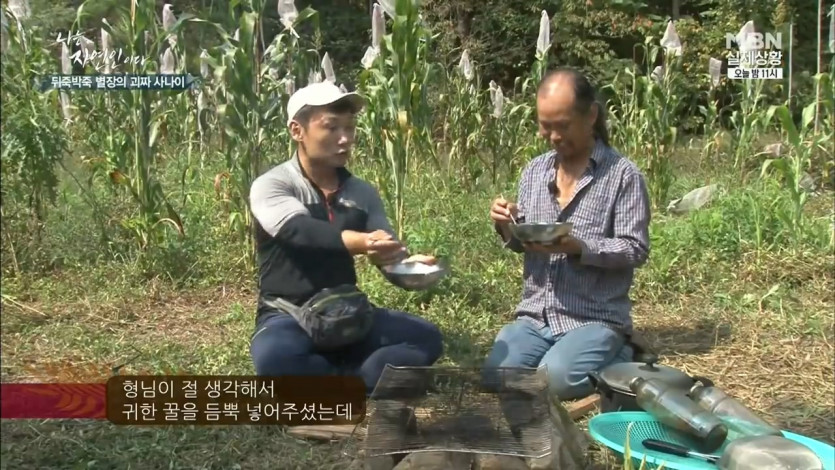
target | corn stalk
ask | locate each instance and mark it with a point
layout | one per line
(34, 140)
(396, 85)
(517, 118)
(791, 168)
(712, 124)
(748, 122)
(130, 152)
(663, 107)
(508, 129)
(463, 131)
(249, 108)
(644, 120)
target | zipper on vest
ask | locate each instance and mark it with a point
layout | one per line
(328, 207)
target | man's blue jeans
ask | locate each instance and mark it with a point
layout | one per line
(569, 357)
(281, 347)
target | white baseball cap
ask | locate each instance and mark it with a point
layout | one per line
(319, 94)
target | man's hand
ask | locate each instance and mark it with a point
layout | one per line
(379, 236)
(359, 243)
(382, 249)
(566, 244)
(502, 210)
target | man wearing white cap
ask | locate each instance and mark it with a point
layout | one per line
(312, 217)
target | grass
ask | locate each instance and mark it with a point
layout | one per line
(714, 300)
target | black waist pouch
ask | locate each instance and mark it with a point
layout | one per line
(333, 318)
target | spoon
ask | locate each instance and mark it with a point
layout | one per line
(508, 212)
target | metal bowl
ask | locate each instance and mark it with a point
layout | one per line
(540, 232)
(415, 276)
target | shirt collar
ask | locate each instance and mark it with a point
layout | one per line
(599, 152)
(598, 155)
(342, 173)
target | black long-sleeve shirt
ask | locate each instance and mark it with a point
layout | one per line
(298, 232)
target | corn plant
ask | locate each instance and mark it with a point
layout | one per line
(373, 116)
(127, 154)
(712, 128)
(395, 84)
(508, 130)
(526, 86)
(511, 125)
(664, 106)
(644, 121)
(178, 121)
(514, 118)
(495, 130)
(802, 142)
(827, 129)
(34, 139)
(249, 103)
(748, 122)
(543, 46)
(463, 122)
(625, 113)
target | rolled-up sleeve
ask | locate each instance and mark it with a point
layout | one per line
(630, 245)
(283, 216)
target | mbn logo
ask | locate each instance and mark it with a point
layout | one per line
(755, 40)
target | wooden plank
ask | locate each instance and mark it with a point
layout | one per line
(582, 407)
(322, 432)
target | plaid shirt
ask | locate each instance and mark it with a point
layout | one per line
(611, 214)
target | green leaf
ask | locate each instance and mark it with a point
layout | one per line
(175, 217)
(808, 115)
(778, 163)
(154, 132)
(306, 14)
(787, 124)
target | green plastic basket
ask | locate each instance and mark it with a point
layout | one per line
(611, 430)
